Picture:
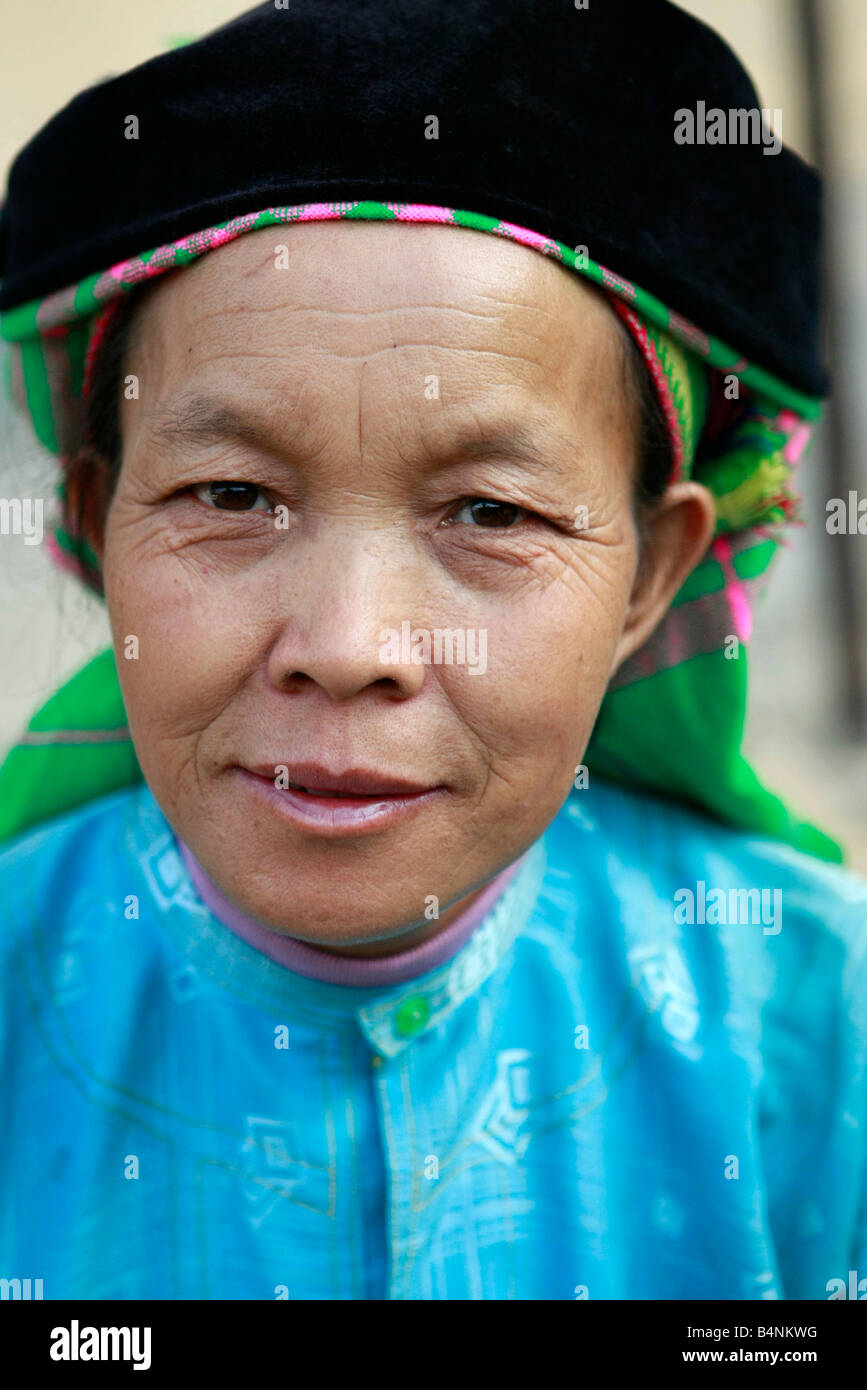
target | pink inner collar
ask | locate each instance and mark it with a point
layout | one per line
(317, 964)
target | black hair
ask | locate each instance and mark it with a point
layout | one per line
(102, 415)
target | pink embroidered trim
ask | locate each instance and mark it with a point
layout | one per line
(660, 380)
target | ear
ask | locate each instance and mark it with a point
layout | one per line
(87, 486)
(678, 529)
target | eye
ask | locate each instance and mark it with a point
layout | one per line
(487, 512)
(233, 497)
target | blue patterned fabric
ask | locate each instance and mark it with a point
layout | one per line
(592, 1099)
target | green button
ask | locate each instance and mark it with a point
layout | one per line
(412, 1015)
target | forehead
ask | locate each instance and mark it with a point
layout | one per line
(315, 302)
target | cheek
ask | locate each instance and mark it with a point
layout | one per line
(175, 677)
(550, 655)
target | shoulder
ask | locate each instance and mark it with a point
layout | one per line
(669, 844)
(53, 841)
(48, 872)
(747, 904)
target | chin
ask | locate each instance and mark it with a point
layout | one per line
(331, 921)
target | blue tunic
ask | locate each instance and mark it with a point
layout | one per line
(597, 1097)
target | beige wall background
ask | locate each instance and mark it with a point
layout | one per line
(51, 50)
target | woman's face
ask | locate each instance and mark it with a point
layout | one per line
(361, 392)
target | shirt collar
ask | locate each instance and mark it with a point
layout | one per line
(391, 1018)
(392, 1023)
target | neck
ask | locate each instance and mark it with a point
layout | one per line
(390, 962)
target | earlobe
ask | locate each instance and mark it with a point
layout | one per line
(677, 532)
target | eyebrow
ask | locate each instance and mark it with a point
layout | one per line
(540, 448)
(202, 420)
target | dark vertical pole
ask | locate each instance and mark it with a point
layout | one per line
(841, 475)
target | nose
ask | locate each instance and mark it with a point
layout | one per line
(343, 606)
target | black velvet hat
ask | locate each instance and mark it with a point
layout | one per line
(573, 121)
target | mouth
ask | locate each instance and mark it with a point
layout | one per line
(354, 801)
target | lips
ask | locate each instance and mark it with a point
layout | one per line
(313, 791)
(332, 803)
(353, 782)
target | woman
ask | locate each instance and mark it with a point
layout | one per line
(391, 914)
